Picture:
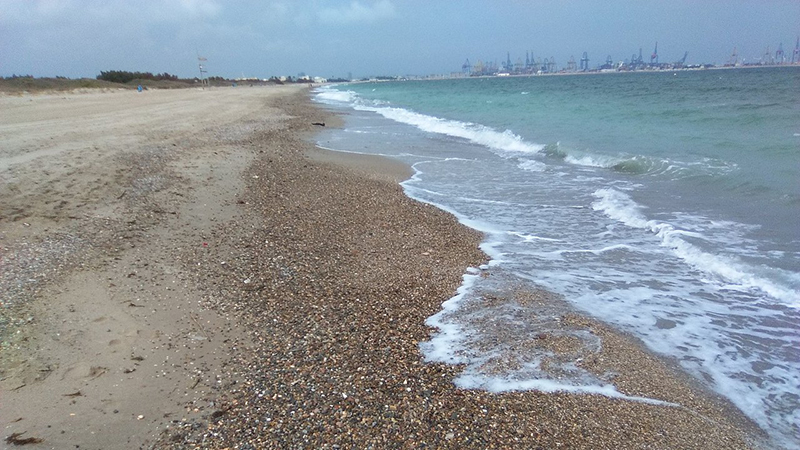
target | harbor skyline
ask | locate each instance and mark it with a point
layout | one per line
(537, 64)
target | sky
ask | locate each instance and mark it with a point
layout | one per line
(335, 38)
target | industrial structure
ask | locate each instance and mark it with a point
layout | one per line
(733, 61)
(779, 56)
(585, 62)
(796, 53)
(654, 56)
(572, 66)
(767, 59)
(540, 66)
(203, 71)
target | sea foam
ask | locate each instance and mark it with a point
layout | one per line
(505, 141)
(334, 96)
(509, 144)
(726, 269)
(501, 141)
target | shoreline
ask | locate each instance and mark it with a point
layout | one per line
(292, 306)
(628, 354)
(549, 301)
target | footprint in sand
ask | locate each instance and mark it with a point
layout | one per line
(82, 371)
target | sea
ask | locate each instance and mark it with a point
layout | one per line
(665, 204)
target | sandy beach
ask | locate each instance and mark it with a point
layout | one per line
(184, 269)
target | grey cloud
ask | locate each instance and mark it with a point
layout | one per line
(356, 11)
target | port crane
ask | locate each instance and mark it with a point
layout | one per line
(637, 62)
(767, 58)
(734, 59)
(779, 55)
(518, 66)
(609, 64)
(585, 62)
(572, 66)
(466, 68)
(654, 56)
(796, 54)
(682, 61)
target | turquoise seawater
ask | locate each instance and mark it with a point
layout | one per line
(665, 204)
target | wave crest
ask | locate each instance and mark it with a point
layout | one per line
(619, 206)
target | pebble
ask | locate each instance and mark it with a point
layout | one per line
(335, 307)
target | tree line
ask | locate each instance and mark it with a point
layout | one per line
(123, 76)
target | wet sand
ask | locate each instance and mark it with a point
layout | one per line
(183, 269)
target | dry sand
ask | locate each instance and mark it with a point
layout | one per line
(181, 269)
(100, 196)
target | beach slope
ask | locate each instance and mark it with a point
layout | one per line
(183, 269)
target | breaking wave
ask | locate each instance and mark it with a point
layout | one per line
(508, 144)
(726, 269)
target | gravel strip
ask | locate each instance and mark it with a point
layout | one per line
(333, 274)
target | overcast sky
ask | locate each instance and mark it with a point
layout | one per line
(79, 38)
